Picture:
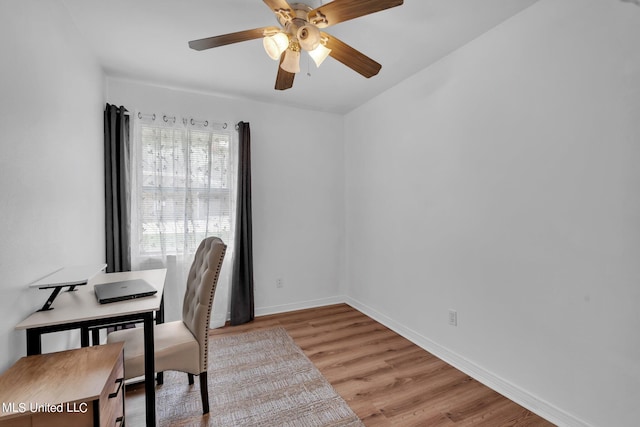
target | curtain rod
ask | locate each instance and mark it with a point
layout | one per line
(172, 119)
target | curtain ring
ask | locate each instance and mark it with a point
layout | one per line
(205, 123)
(224, 125)
(153, 116)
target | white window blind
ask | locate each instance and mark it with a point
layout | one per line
(184, 189)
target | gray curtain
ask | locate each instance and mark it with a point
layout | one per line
(242, 305)
(117, 193)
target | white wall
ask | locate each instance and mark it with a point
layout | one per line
(503, 182)
(51, 170)
(297, 189)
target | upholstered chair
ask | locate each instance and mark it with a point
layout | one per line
(181, 345)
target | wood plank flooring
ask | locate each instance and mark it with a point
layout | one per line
(385, 379)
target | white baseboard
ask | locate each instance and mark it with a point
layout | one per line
(283, 308)
(529, 401)
(522, 397)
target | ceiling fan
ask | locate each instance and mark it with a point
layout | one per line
(300, 26)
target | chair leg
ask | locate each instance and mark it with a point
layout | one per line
(204, 392)
(160, 378)
(190, 376)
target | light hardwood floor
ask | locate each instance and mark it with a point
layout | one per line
(385, 379)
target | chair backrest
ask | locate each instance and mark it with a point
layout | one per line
(201, 286)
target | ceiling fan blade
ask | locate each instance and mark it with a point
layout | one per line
(230, 38)
(350, 57)
(276, 5)
(284, 79)
(343, 10)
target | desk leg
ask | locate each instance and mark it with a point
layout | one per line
(95, 336)
(34, 342)
(160, 313)
(159, 320)
(149, 371)
(84, 336)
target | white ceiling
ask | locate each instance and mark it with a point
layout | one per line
(146, 40)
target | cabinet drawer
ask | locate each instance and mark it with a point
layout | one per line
(112, 397)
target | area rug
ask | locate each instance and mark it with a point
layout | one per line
(260, 378)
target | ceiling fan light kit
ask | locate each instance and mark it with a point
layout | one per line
(309, 37)
(319, 54)
(275, 44)
(291, 62)
(300, 30)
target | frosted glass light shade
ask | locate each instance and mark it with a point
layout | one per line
(319, 54)
(276, 44)
(308, 37)
(291, 61)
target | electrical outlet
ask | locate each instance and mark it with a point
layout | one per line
(279, 282)
(453, 317)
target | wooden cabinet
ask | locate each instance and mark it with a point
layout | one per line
(75, 388)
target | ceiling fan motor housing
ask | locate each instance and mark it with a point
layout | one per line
(298, 11)
(295, 23)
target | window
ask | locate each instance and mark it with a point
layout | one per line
(182, 190)
(183, 186)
